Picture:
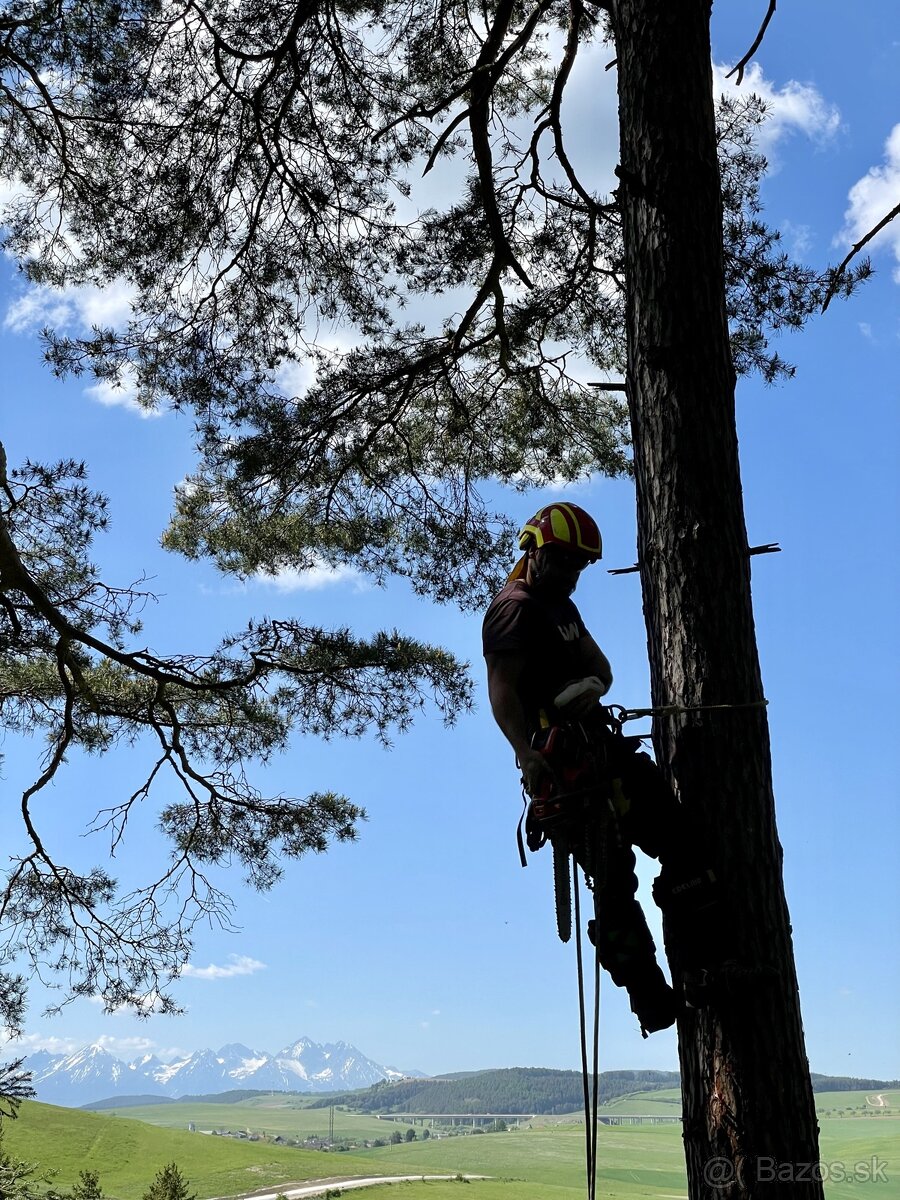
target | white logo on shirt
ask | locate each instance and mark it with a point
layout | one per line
(569, 633)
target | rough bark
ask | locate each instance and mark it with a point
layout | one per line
(749, 1116)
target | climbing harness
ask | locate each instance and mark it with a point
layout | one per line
(578, 754)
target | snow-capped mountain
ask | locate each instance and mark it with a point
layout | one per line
(92, 1073)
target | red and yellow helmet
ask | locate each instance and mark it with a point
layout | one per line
(559, 524)
(566, 525)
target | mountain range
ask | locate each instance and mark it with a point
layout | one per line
(93, 1073)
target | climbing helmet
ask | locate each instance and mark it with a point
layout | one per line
(564, 525)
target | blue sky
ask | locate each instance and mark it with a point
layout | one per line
(425, 943)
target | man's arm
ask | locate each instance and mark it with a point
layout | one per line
(505, 671)
(580, 697)
(595, 661)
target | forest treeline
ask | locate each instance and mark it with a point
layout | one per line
(511, 1090)
(847, 1083)
(532, 1090)
(508, 1090)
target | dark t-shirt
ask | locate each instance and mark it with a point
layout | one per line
(546, 631)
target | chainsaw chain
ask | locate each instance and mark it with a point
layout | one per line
(562, 889)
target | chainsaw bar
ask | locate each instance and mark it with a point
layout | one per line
(562, 888)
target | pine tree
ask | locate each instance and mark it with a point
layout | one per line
(87, 1187)
(748, 1101)
(169, 1184)
(15, 1086)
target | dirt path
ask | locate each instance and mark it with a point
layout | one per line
(317, 1187)
(877, 1101)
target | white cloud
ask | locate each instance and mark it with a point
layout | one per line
(79, 309)
(321, 575)
(108, 306)
(71, 307)
(793, 108)
(125, 1047)
(10, 191)
(120, 395)
(37, 307)
(294, 378)
(872, 198)
(121, 1047)
(31, 1043)
(798, 237)
(149, 1003)
(239, 964)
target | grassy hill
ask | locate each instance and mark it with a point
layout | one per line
(544, 1163)
(128, 1153)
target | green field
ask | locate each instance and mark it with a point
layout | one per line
(634, 1161)
(292, 1117)
(861, 1104)
(127, 1154)
(277, 1115)
(525, 1164)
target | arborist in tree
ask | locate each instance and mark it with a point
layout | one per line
(546, 676)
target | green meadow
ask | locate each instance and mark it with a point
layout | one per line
(277, 1115)
(634, 1161)
(546, 1161)
(127, 1154)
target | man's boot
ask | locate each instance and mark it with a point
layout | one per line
(653, 1001)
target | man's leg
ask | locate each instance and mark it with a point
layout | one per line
(624, 944)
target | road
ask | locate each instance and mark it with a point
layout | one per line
(317, 1187)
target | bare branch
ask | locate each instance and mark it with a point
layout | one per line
(739, 69)
(835, 283)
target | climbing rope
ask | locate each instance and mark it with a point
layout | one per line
(675, 710)
(591, 1097)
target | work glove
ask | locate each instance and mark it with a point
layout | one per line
(536, 772)
(579, 697)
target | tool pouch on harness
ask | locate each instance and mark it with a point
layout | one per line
(585, 757)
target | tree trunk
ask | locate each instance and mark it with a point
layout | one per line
(749, 1117)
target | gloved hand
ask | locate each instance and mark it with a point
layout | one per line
(535, 771)
(580, 697)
